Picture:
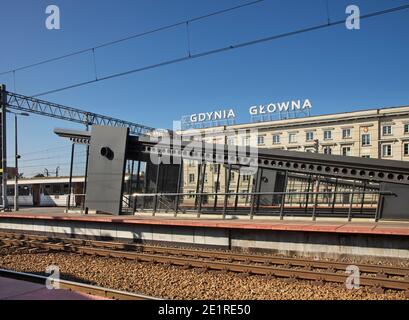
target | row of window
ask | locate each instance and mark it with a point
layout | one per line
(387, 129)
(309, 136)
(346, 134)
(243, 178)
(386, 150)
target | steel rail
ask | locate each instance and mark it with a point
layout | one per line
(287, 269)
(295, 262)
(76, 286)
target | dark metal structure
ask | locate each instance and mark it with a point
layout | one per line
(9, 100)
(388, 180)
(49, 109)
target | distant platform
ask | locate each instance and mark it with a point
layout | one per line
(327, 225)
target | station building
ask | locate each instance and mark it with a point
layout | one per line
(376, 133)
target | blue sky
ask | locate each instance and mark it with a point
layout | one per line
(338, 69)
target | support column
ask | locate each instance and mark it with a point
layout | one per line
(217, 186)
(70, 181)
(202, 182)
(85, 177)
(155, 205)
(180, 175)
(237, 191)
(227, 188)
(3, 106)
(314, 210)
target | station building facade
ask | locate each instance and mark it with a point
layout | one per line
(377, 133)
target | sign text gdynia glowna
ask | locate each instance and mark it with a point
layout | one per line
(255, 110)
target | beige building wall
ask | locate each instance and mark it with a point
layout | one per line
(377, 133)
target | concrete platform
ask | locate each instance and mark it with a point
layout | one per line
(360, 226)
(11, 289)
(324, 237)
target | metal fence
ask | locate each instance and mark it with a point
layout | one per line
(348, 204)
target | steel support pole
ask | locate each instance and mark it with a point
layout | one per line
(283, 197)
(314, 210)
(379, 207)
(351, 202)
(253, 196)
(308, 194)
(236, 201)
(138, 176)
(248, 189)
(85, 177)
(227, 188)
(178, 187)
(199, 170)
(155, 205)
(16, 165)
(335, 196)
(70, 181)
(202, 182)
(3, 105)
(258, 186)
(138, 170)
(363, 197)
(217, 186)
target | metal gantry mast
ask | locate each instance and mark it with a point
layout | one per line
(49, 109)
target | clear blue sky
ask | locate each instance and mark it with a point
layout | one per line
(338, 69)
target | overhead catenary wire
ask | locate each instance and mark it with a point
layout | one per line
(138, 35)
(224, 49)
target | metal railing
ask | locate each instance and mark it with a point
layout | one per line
(347, 204)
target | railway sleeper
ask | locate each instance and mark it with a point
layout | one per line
(378, 289)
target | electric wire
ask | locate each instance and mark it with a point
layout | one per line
(138, 35)
(223, 49)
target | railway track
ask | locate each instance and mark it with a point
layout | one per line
(375, 276)
(76, 286)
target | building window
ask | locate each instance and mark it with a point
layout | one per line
(292, 138)
(309, 136)
(327, 150)
(276, 139)
(406, 149)
(346, 151)
(191, 177)
(327, 135)
(366, 139)
(260, 140)
(346, 133)
(245, 141)
(231, 141)
(406, 128)
(366, 156)
(387, 130)
(246, 177)
(386, 150)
